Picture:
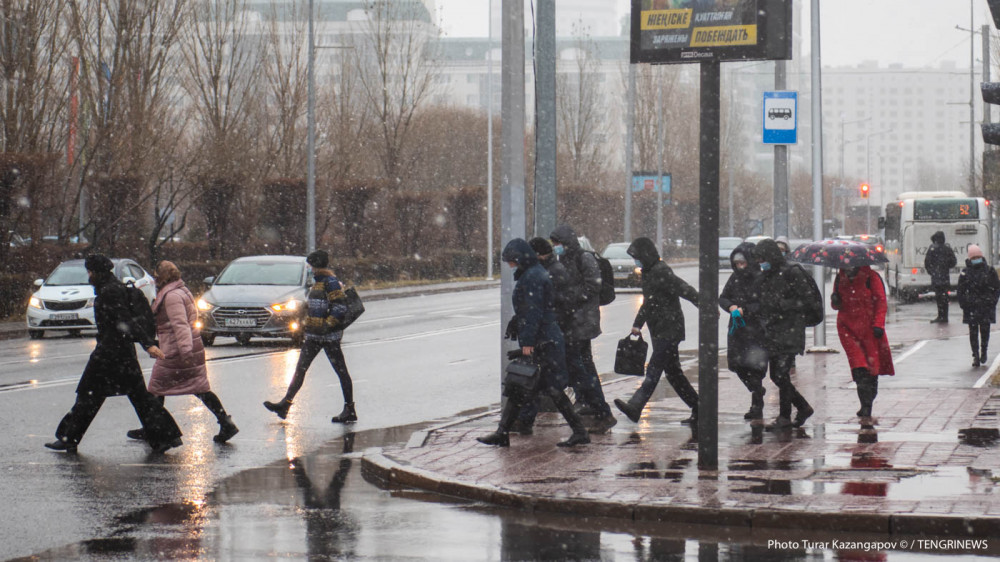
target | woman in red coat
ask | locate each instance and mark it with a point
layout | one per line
(859, 297)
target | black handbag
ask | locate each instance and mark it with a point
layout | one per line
(522, 376)
(631, 356)
(355, 308)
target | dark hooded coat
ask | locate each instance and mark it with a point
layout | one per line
(113, 368)
(862, 306)
(978, 291)
(781, 297)
(661, 294)
(534, 308)
(939, 260)
(563, 295)
(584, 289)
(745, 343)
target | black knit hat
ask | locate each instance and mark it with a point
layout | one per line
(540, 245)
(98, 263)
(318, 259)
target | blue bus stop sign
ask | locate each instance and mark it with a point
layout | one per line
(780, 117)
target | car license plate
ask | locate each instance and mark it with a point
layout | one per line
(240, 322)
(66, 316)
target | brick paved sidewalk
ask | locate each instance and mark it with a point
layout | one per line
(912, 472)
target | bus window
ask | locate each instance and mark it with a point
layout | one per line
(893, 213)
(945, 209)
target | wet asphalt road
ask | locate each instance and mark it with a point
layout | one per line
(294, 488)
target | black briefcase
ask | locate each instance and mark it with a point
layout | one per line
(355, 308)
(521, 377)
(631, 356)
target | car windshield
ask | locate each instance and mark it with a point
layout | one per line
(616, 253)
(68, 274)
(261, 273)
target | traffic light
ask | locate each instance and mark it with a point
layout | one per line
(865, 188)
(991, 94)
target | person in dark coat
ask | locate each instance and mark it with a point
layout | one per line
(745, 354)
(537, 332)
(938, 262)
(661, 312)
(978, 291)
(583, 323)
(859, 298)
(113, 368)
(781, 294)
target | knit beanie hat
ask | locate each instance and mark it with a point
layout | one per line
(318, 259)
(975, 251)
(540, 245)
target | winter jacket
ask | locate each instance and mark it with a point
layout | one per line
(781, 296)
(563, 295)
(534, 309)
(584, 289)
(939, 260)
(326, 306)
(661, 292)
(113, 368)
(746, 342)
(183, 370)
(861, 306)
(978, 290)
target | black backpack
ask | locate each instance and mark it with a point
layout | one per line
(141, 313)
(816, 307)
(607, 294)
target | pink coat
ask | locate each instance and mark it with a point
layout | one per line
(183, 370)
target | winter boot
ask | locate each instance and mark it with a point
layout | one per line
(227, 429)
(347, 415)
(630, 410)
(580, 435)
(779, 423)
(62, 445)
(501, 437)
(756, 411)
(692, 419)
(982, 356)
(137, 434)
(975, 360)
(280, 408)
(802, 414)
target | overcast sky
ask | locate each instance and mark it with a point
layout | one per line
(912, 32)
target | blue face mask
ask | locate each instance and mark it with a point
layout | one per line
(638, 263)
(976, 261)
(765, 266)
(559, 249)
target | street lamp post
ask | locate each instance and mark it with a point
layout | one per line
(868, 176)
(843, 144)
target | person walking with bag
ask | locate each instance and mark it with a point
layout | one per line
(182, 369)
(859, 298)
(661, 311)
(538, 335)
(781, 297)
(938, 262)
(978, 291)
(745, 353)
(113, 368)
(326, 308)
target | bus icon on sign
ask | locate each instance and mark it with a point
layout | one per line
(779, 113)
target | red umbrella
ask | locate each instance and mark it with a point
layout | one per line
(837, 254)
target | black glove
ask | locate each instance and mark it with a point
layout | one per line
(514, 354)
(835, 300)
(879, 332)
(511, 331)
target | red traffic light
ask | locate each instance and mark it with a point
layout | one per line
(865, 188)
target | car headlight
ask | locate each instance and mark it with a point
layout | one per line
(281, 307)
(204, 305)
(35, 302)
(637, 271)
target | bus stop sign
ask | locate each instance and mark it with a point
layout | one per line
(780, 117)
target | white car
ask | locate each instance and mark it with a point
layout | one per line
(65, 299)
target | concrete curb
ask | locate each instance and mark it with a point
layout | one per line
(383, 471)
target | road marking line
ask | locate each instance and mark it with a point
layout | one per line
(989, 373)
(910, 351)
(384, 319)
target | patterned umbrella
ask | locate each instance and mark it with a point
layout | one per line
(837, 254)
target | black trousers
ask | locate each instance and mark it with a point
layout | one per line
(310, 349)
(941, 298)
(211, 402)
(159, 425)
(788, 395)
(979, 333)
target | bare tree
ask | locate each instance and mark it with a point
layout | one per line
(285, 80)
(581, 112)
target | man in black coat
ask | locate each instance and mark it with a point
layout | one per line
(781, 297)
(113, 368)
(978, 292)
(745, 353)
(661, 312)
(938, 262)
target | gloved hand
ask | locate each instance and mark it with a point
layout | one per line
(514, 354)
(879, 332)
(835, 300)
(511, 331)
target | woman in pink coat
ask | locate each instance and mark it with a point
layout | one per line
(859, 297)
(182, 370)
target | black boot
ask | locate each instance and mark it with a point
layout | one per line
(137, 434)
(501, 437)
(580, 435)
(347, 415)
(227, 429)
(630, 410)
(692, 419)
(62, 445)
(982, 356)
(280, 408)
(756, 411)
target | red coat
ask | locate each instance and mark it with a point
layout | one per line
(862, 307)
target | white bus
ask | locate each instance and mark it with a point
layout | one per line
(913, 218)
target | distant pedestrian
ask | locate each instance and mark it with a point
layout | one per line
(745, 353)
(661, 312)
(978, 291)
(781, 296)
(182, 369)
(537, 333)
(859, 298)
(582, 323)
(113, 368)
(326, 307)
(938, 262)
(783, 245)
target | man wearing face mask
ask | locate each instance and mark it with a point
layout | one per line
(745, 353)
(978, 291)
(781, 296)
